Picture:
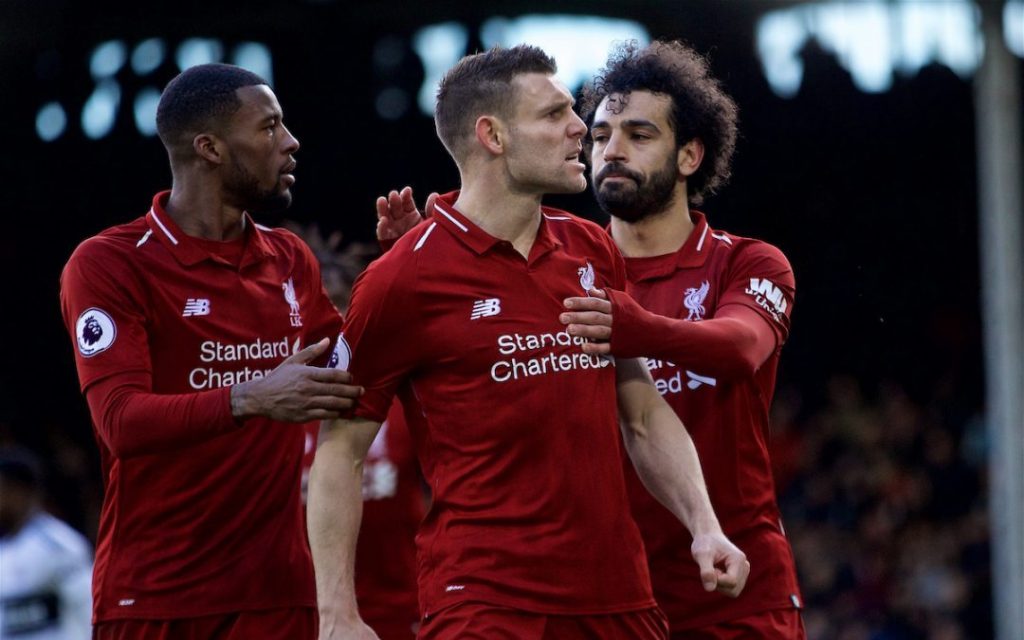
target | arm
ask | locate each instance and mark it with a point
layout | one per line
(334, 512)
(132, 420)
(666, 461)
(732, 345)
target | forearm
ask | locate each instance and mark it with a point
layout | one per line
(723, 347)
(334, 513)
(666, 462)
(132, 420)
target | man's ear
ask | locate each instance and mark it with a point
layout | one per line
(690, 156)
(209, 147)
(490, 133)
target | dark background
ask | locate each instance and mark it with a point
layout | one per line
(872, 196)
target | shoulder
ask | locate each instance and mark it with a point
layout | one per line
(744, 250)
(117, 241)
(567, 226)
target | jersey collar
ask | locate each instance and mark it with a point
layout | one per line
(189, 253)
(467, 232)
(694, 253)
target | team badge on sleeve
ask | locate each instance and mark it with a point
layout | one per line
(95, 331)
(341, 356)
(769, 297)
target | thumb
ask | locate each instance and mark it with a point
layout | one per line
(708, 575)
(308, 354)
(428, 209)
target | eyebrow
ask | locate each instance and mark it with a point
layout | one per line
(633, 123)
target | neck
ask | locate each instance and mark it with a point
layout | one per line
(656, 235)
(200, 211)
(514, 217)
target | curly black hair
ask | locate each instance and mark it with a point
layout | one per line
(700, 108)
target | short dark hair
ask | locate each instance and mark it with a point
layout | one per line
(479, 84)
(700, 108)
(198, 98)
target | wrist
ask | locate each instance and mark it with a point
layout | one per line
(242, 401)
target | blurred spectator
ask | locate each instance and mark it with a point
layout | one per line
(45, 565)
(888, 520)
(394, 500)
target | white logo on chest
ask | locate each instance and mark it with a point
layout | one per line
(693, 300)
(196, 307)
(587, 277)
(289, 295)
(484, 308)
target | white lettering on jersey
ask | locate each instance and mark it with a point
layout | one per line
(768, 296)
(696, 380)
(196, 307)
(95, 331)
(484, 308)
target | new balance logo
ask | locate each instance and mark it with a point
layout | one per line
(484, 308)
(196, 307)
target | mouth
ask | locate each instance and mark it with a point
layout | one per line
(286, 174)
(574, 158)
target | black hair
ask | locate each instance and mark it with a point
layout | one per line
(700, 108)
(199, 98)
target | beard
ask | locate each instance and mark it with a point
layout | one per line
(649, 197)
(246, 192)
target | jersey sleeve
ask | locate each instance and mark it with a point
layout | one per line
(761, 278)
(104, 315)
(378, 344)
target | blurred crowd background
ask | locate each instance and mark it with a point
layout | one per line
(868, 186)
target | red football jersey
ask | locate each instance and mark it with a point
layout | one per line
(519, 437)
(728, 420)
(393, 507)
(203, 515)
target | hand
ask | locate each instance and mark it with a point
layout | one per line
(590, 318)
(397, 213)
(297, 392)
(723, 567)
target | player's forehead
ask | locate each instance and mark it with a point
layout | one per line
(540, 91)
(633, 106)
(258, 103)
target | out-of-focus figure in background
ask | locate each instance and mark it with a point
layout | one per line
(45, 565)
(394, 500)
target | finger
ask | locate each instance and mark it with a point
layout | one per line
(596, 348)
(334, 390)
(394, 205)
(593, 318)
(330, 376)
(408, 204)
(431, 201)
(598, 293)
(308, 354)
(587, 304)
(732, 581)
(589, 331)
(382, 208)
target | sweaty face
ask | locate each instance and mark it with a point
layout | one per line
(634, 156)
(545, 137)
(257, 173)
